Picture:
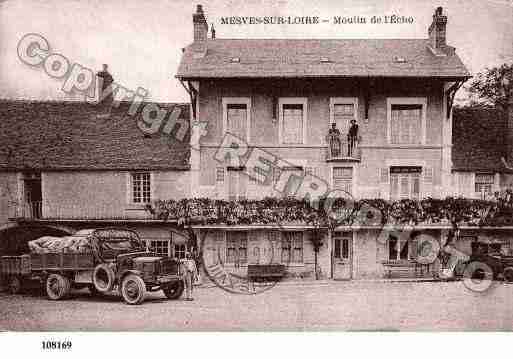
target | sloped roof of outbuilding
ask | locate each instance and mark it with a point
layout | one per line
(79, 135)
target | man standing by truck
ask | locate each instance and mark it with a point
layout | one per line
(190, 274)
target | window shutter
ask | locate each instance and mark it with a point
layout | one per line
(220, 179)
(383, 175)
(219, 174)
(414, 248)
(275, 241)
(384, 180)
(427, 181)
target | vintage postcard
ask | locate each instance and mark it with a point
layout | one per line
(255, 166)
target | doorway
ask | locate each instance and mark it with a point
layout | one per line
(33, 195)
(342, 255)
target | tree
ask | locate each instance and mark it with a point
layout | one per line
(494, 86)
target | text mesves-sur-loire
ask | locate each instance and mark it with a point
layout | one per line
(292, 20)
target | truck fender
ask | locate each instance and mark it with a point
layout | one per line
(126, 272)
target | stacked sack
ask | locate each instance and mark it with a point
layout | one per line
(70, 244)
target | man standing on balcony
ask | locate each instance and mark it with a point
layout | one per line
(334, 140)
(352, 137)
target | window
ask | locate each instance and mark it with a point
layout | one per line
(484, 183)
(341, 247)
(398, 249)
(236, 247)
(180, 250)
(405, 182)
(292, 121)
(160, 247)
(237, 183)
(342, 111)
(406, 123)
(406, 119)
(141, 190)
(236, 116)
(292, 247)
(343, 179)
(219, 174)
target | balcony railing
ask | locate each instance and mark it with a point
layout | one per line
(342, 147)
(71, 211)
(29, 210)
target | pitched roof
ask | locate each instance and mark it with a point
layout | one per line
(74, 135)
(478, 140)
(302, 58)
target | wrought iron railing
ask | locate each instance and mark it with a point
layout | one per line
(75, 211)
(342, 146)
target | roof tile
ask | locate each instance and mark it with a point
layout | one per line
(301, 58)
(70, 135)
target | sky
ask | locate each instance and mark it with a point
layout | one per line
(141, 40)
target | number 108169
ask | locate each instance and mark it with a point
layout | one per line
(55, 345)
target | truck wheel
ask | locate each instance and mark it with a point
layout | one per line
(57, 286)
(508, 274)
(133, 289)
(14, 285)
(103, 278)
(173, 290)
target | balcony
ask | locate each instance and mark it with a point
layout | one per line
(343, 148)
(37, 211)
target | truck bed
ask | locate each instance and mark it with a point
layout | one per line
(24, 264)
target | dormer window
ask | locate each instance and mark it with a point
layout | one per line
(235, 60)
(325, 59)
(400, 60)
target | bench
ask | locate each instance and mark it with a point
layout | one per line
(261, 272)
(399, 267)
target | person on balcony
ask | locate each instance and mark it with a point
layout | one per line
(334, 140)
(352, 137)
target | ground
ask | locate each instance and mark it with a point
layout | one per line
(356, 305)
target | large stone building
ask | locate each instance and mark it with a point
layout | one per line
(282, 97)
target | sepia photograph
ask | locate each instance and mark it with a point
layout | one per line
(255, 166)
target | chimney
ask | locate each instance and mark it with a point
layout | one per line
(437, 31)
(105, 80)
(212, 31)
(200, 25)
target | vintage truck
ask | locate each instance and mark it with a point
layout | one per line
(487, 260)
(108, 259)
(492, 254)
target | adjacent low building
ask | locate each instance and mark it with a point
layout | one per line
(70, 165)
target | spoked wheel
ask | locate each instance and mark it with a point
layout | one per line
(173, 290)
(14, 285)
(57, 286)
(133, 289)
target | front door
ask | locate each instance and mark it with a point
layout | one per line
(342, 255)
